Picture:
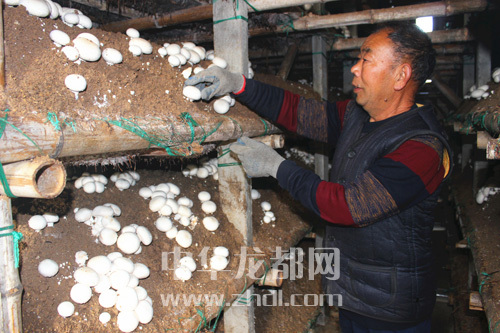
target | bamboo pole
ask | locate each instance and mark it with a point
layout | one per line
(10, 284)
(287, 63)
(103, 137)
(194, 14)
(273, 278)
(41, 177)
(2, 50)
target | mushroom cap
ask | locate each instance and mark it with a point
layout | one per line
(143, 44)
(48, 268)
(112, 56)
(75, 82)
(59, 37)
(133, 33)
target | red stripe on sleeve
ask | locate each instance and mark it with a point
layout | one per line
(332, 205)
(288, 113)
(423, 160)
(341, 108)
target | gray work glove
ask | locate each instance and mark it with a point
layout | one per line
(221, 82)
(258, 159)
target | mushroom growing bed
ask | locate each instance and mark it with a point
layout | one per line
(143, 87)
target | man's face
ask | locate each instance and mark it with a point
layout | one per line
(374, 72)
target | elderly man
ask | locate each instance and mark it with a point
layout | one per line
(390, 160)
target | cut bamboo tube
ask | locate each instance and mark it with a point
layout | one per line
(273, 278)
(10, 284)
(42, 177)
(274, 141)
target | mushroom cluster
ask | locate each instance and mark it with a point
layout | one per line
(484, 192)
(207, 168)
(39, 222)
(116, 279)
(219, 259)
(268, 214)
(91, 183)
(125, 180)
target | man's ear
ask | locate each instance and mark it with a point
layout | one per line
(403, 75)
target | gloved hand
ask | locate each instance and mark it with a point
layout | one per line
(222, 82)
(258, 159)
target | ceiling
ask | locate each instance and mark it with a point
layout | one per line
(270, 38)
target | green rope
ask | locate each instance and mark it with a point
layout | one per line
(4, 122)
(287, 26)
(52, 118)
(214, 326)
(17, 236)
(203, 320)
(3, 178)
(191, 122)
(248, 3)
(237, 17)
(265, 127)
(222, 165)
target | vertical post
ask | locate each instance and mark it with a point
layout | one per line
(468, 74)
(231, 33)
(231, 43)
(10, 284)
(483, 59)
(320, 85)
(236, 202)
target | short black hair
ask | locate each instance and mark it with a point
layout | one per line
(412, 43)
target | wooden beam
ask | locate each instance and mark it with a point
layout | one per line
(193, 14)
(475, 302)
(105, 137)
(108, 6)
(398, 13)
(287, 63)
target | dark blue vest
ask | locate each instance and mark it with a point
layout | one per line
(386, 268)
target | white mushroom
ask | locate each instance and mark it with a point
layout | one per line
(183, 273)
(71, 53)
(124, 264)
(86, 276)
(221, 106)
(133, 33)
(65, 309)
(255, 194)
(100, 264)
(108, 236)
(107, 298)
(221, 251)
(188, 262)
(127, 321)
(163, 224)
(174, 60)
(173, 49)
(145, 192)
(37, 222)
(112, 56)
(144, 312)
(88, 50)
(265, 206)
(126, 299)
(76, 83)
(220, 62)
(84, 22)
(184, 238)
(218, 263)
(48, 268)
(172, 233)
(157, 203)
(210, 223)
(144, 235)
(36, 7)
(80, 293)
(104, 317)
(141, 271)
(119, 279)
(204, 196)
(59, 37)
(143, 44)
(209, 207)
(128, 242)
(135, 50)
